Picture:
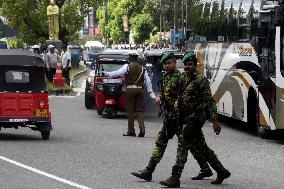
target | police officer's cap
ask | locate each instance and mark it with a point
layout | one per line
(189, 57)
(133, 57)
(166, 56)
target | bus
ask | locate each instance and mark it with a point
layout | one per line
(247, 79)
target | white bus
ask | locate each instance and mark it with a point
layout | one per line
(247, 81)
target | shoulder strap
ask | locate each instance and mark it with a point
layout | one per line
(142, 71)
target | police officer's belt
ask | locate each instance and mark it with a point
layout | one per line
(134, 87)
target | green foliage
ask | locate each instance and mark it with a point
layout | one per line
(15, 43)
(29, 17)
(142, 25)
(140, 21)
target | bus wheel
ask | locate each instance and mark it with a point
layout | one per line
(263, 132)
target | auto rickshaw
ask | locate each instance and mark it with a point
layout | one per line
(154, 67)
(108, 93)
(23, 94)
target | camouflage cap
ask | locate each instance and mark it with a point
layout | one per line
(166, 56)
(189, 57)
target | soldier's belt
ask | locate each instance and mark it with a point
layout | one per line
(133, 87)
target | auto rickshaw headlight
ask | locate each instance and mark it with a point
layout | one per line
(100, 87)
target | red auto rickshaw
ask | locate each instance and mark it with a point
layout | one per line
(23, 94)
(108, 94)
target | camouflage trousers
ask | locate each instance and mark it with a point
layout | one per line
(192, 139)
(161, 145)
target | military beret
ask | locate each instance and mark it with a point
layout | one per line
(189, 57)
(166, 56)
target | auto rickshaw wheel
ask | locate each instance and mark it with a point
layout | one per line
(110, 112)
(45, 135)
(100, 112)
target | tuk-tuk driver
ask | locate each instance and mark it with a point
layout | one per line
(135, 77)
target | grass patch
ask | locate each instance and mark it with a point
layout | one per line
(73, 71)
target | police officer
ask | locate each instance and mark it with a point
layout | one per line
(169, 93)
(135, 75)
(196, 95)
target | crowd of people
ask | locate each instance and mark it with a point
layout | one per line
(52, 57)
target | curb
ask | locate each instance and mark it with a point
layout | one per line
(76, 76)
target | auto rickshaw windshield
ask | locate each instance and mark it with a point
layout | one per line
(108, 67)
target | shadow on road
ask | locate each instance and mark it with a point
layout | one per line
(19, 137)
(274, 136)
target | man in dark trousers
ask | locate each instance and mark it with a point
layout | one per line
(169, 93)
(135, 78)
(196, 95)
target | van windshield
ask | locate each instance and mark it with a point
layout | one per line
(95, 49)
(3, 45)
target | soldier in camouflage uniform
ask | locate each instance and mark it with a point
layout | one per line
(196, 95)
(169, 129)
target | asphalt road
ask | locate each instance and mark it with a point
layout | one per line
(88, 151)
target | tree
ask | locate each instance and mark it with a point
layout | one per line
(142, 25)
(29, 17)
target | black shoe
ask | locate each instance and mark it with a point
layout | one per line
(141, 134)
(171, 182)
(145, 174)
(221, 177)
(202, 175)
(129, 134)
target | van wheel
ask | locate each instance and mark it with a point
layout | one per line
(45, 135)
(100, 112)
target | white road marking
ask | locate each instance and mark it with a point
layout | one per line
(44, 174)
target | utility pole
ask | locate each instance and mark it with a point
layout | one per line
(106, 23)
(182, 22)
(161, 22)
(176, 21)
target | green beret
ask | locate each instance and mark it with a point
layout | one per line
(189, 57)
(166, 56)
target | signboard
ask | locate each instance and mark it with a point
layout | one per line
(178, 35)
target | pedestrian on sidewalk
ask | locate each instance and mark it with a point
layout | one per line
(66, 63)
(196, 95)
(51, 60)
(135, 78)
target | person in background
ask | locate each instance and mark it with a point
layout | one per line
(66, 63)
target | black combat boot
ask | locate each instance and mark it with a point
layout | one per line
(222, 173)
(173, 181)
(205, 170)
(146, 174)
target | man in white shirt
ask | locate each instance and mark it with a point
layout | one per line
(135, 77)
(51, 61)
(66, 63)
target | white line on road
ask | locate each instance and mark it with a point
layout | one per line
(43, 173)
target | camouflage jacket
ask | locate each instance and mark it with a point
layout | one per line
(196, 95)
(170, 89)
